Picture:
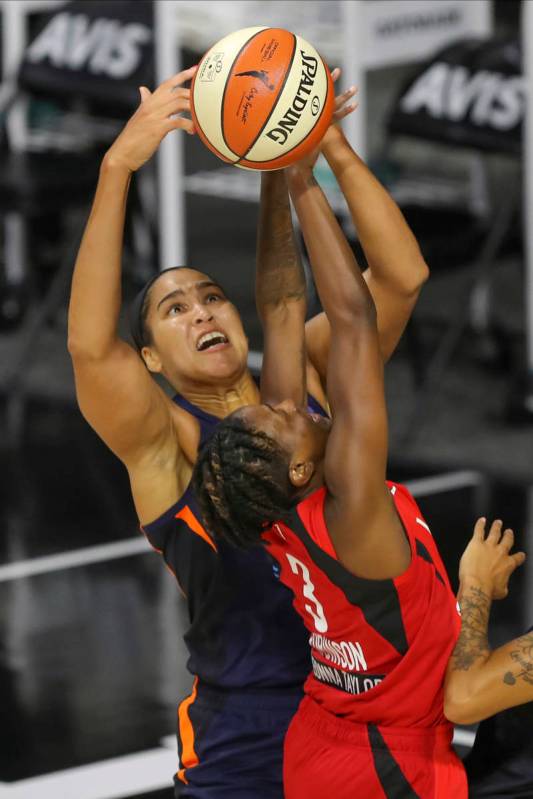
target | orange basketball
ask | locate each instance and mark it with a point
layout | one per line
(262, 98)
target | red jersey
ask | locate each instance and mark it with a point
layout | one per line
(379, 648)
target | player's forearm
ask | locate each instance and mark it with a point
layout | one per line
(280, 279)
(472, 647)
(341, 287)
(392, 252)
(481, 681)
(96, 295)
(472, 651)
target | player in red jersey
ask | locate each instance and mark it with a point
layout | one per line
(360, 559)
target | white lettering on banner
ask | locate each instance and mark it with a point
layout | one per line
(347, 654)
(102, 46)
(396, 33)
(451, 92)
(419, 22)
(316, 610)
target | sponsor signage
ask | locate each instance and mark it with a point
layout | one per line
(413, 29)
(102, 49)
(472, 94)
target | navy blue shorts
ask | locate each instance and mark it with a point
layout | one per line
(231, 743)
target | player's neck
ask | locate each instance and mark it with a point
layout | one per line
(223, 400)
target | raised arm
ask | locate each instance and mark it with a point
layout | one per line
(356, 455)
(396, 269)
(481, 681)
(280, 296)
(115, 392)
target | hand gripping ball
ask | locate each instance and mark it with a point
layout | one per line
(262, 98)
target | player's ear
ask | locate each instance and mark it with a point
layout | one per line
(300, 472)
(152, 360)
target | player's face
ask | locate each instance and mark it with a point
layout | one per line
(301, 434)
(197, 334)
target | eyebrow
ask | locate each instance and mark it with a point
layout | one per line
(202, 284)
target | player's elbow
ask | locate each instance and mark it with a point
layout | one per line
(411, 281)
(459, 713)
(80, 349)
(352, 311)
(461, 705)
(85, 349)
(88, 341)
(75, 345)
(419, 276)
(408, 281)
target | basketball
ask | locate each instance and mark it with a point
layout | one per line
(262, 98)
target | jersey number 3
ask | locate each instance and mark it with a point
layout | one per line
(315, 609)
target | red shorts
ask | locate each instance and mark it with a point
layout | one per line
(326, 756)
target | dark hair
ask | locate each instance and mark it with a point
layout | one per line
(241, 482)
(138, 310)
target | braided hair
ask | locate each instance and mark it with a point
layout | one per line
(241, 482)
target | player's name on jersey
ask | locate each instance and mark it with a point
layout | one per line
(350, 682)
(346, 654)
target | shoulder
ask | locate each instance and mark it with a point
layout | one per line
(161, 473)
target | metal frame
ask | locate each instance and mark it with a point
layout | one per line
(527, 156)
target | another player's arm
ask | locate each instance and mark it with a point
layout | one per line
(115, 392)
(396, 268)
(356, 455)
(280, 295)
(481, 681)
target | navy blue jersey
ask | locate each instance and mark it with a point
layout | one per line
(501, 762)
(244, 631)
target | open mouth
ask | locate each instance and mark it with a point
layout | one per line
(211, 340)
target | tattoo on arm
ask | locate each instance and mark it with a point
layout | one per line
(280, 275)
(523, 657)
(473, 641)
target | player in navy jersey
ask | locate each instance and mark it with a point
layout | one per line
(355, 550)
(248, 648)
(481, 682)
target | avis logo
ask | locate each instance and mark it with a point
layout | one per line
(102, 46)
(260, 74)
(452, 92)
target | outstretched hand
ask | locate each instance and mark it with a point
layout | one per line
(343, 107)
(488, 560)
(156, 116)
(343, 104)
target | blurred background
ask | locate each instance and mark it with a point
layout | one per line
(92, 661)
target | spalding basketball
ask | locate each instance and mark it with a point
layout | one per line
(262, 98)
